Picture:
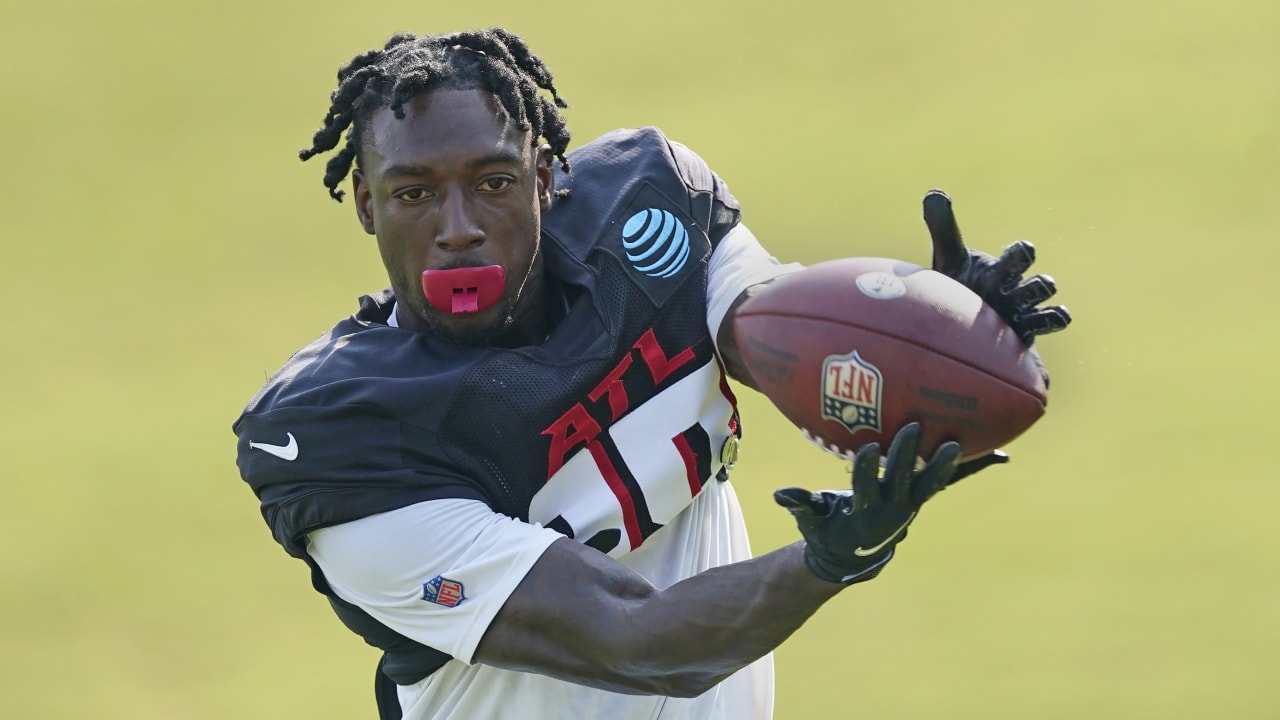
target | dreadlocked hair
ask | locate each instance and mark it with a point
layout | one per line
(409, 65)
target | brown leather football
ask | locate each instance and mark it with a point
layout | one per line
(850, 350)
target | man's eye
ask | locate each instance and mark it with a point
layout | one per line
(494, 184)
(413, 195)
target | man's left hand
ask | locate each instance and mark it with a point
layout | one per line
(998, 281)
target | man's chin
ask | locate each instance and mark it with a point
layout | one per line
(482, 329)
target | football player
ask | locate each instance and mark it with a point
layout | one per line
(509, 470)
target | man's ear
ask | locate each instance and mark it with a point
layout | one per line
(364, 201)
(546, 177)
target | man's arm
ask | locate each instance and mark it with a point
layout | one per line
(739, 268)
(583, 617)
(580, 616)
(485, 587)
(727, 341)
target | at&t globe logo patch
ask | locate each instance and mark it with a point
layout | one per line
(656, 243)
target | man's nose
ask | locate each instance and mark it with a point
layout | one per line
(458, 229)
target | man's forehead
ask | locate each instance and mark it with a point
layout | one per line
(448, 119)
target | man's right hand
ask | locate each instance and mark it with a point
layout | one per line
(851, 534)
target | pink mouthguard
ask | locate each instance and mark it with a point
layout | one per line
(462, 291)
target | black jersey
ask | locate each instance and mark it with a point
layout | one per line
(370, 418)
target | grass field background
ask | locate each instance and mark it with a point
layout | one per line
(162, 250)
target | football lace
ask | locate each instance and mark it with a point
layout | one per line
(826, 446)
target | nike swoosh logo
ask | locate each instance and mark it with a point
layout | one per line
(284, 452)
(861, 552)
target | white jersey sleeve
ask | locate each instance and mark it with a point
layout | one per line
(739, 262)
(457, 563)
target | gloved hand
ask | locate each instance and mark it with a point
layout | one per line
(999, 280)
(995, 457)
(850, 535)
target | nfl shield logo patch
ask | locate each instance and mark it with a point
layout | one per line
(443, 591)
(851, 392)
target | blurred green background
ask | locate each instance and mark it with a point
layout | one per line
(162, 250)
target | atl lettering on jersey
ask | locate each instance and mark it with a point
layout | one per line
(576, 428)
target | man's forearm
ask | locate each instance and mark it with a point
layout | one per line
(707, 627)
(617, 632)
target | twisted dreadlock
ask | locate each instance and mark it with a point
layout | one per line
(493, 60)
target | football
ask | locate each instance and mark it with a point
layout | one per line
(851, 350)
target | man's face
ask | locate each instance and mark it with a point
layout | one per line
(455, 184)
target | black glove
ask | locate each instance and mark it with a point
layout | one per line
(995, 457)
(997, 280)
(849, 536)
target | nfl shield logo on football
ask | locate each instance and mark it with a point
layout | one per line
(443, 591)
(851, 392)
